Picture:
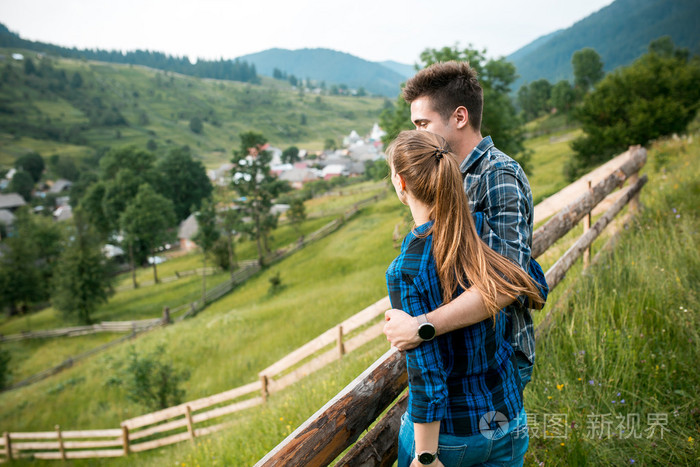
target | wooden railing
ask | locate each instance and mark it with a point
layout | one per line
(337, 426)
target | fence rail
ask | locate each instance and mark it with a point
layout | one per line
(321, 438)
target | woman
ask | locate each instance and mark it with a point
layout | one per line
(465, 406)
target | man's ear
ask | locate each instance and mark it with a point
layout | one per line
(461, 116)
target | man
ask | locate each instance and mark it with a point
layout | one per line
(446, 99)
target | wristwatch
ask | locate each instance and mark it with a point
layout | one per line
(426, 458)
(426, 330)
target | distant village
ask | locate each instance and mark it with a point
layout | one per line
(312, 166)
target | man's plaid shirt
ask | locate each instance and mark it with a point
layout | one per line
(497, 186)
(460, 376)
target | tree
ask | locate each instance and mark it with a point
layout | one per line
(231, 222)
(291, 155)
(28, 260)
(81, 281)
(23, 184)
(146, 219)
(588, 68)
(655, 96)
(296, 215)
(376, 170)
(499, 117)
(19, 277)
(257, 187)
(183, 180)
(330, 144)
(4, 367)
(534, 98)
(563, 96)
(206, 236)
(32, 163)
(196, 125)
(121, 172)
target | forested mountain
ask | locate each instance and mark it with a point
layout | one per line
(234, 70)
(619, 32)
(330, 66)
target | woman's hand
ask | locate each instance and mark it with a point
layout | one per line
(401, 329)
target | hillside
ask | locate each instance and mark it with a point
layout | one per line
(77, 108)
(330, 66)
(619, 32)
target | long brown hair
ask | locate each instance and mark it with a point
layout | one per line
(432, 176)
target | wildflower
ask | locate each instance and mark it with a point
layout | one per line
(561, 444)
(579, 379)
(631, 461)
(622, 401)
(591, 382)
(549, 397)
(613, 402)
(618, 394)
(560, 386)
(281, 419)
(690, 439)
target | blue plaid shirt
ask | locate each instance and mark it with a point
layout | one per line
(459, 376)
(497, 186)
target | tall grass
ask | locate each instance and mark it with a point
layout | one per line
(620, 360)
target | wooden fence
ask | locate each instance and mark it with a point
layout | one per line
(337, 425)
(194, 418)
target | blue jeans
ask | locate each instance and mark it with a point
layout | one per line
(504, 449)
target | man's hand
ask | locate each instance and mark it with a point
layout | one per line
(401, 329)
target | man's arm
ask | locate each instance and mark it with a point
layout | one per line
(401, 329)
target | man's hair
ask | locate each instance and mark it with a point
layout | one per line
(448, 85)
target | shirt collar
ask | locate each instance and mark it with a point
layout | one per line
(476, 154)
(423, 228)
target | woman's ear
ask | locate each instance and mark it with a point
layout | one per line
(402, 182)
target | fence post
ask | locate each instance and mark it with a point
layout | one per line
(166, 315)
(61, 449)
(8, 446)
(190, 425)
(586, 228)
(341, 346)
(125, 440)
(263, 388)
(634, 202)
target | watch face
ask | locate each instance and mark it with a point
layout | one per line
(426, 331)
(426, 458)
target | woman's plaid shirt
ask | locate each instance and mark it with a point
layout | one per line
(458, 377)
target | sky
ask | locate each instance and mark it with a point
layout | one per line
(375, 30)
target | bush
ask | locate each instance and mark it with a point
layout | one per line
(152, 382)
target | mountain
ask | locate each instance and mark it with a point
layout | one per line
(619, 32)
(330, 66)
(401, 68)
